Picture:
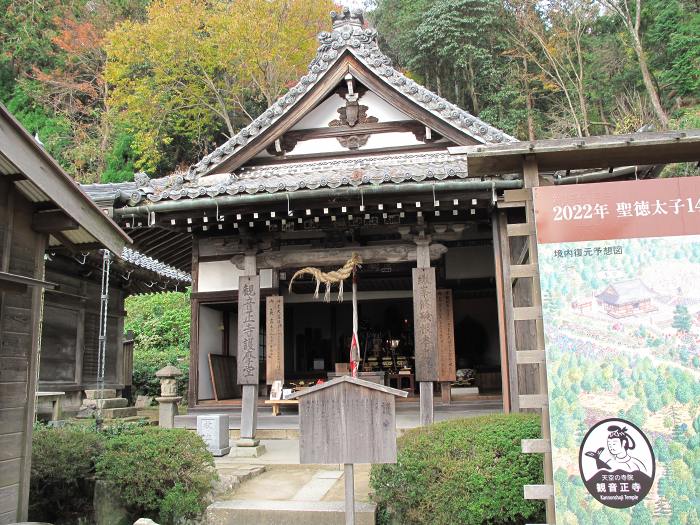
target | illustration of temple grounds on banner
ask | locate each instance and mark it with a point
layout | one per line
(620, 277)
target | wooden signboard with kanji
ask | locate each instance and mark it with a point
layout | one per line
(248, 329)
(425, 324)
(447, 371)
(274, 339)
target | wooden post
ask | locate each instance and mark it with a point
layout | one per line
(498, 265)
(248, 333)
(531, 180)
(425, 329)
(349, 494)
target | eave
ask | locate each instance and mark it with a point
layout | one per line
(42, 173)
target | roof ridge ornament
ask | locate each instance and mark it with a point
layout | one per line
(354, 17)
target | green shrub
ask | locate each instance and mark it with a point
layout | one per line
(63, 472)
(469, 471)
(161, 326)
(148, 361)
(164, 474)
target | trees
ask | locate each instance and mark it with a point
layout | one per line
(193, 70)
(553, 40)
(682, 321)
(631, 17)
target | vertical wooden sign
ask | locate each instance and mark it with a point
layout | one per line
(446, 337)
(425, 324)
(248, 329)
(274, 339)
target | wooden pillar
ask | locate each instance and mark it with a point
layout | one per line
(248, 350)
(500, 301)
(425, 329)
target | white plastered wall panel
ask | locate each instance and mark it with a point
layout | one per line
(216, 276)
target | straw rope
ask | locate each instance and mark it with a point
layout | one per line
(330, 278)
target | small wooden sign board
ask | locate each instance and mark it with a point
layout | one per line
(348, 420)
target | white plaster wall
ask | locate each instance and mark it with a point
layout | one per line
(217, 275)
(381, 109)
(321, 115)
(327, 110)
(209, 343)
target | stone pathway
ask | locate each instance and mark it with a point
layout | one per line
(292, 495)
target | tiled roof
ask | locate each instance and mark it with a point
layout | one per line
(144, 261)
(332, 173)
(348, 34)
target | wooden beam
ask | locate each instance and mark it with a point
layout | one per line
(408, 106)
(522, 229)
(399, 126)
(53, 221)
(369, 254)
(41, 169)
(518, 271)
(527, 313)
(530, 357)
(533, 401)
(599, 152)
(26, 281)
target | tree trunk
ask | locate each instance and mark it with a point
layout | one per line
(472, 89)
(528, 104)
(649, 82)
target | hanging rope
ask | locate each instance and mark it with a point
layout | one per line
(330, 278)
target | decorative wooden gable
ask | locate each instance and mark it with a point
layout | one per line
(351, 100)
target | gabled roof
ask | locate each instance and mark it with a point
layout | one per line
(625, 292)
(355, 381)
(349, 37)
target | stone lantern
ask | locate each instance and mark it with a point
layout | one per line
(168, 399)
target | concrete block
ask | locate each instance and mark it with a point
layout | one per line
(118, 413)
(248, 452)
(213, 428)
(113, 402)
(105, 393)
(272, 512)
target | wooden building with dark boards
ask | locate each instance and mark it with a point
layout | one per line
(38, 202)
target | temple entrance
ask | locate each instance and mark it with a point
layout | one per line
(317, 334)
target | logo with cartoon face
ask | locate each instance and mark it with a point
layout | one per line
(617, 463)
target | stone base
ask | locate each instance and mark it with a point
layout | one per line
(247, 442)
(218, 452)
(248, 452)
(112, 402)
(271, 512)
(105, 393)
(118, 413)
